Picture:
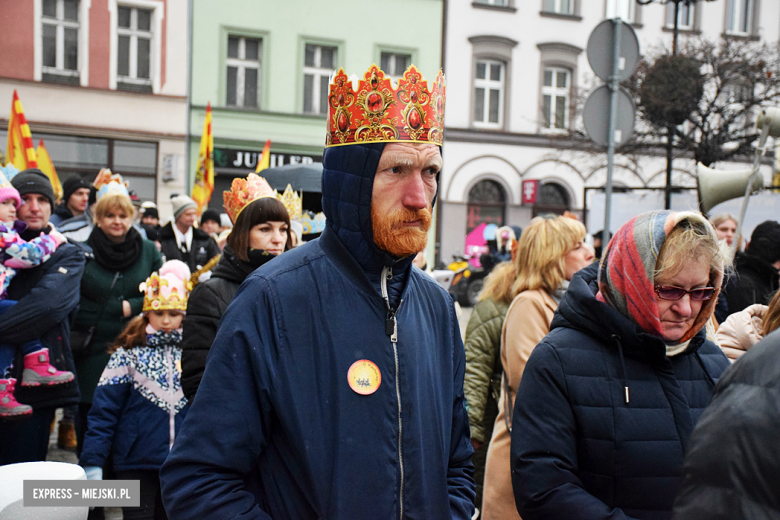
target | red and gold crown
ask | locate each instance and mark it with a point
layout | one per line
(243, 192)
(379, 113)
(165, 293)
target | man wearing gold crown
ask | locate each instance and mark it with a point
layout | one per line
(334, 388)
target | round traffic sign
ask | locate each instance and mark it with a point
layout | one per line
(601, 50)
(595, 115)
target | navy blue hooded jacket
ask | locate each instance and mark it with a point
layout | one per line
(578, 449)
(277, 432)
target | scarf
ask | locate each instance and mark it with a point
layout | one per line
(257, 257)
(113, 256)
(627, 270)
(558, 294)
(29, 234)
(160, 338)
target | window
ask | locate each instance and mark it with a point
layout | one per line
(243, 71)
(319, 63)
(394, 64)
(501, 3)
(60, 20)
(739, 16)
(488, 93)
(558, 6)
(685, 16)
(486, 204)
(555, 98)
(134, 43)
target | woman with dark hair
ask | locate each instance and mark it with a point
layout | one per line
(260, 232)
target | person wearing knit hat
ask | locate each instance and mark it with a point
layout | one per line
(33, 180)
(609, 398)
(139, 400)
(75, 199)
(757, 277)
(210, 222)
(179, 240)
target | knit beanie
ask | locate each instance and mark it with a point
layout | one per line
(181, 203)
(71, 184)
(765, 242)
(7, 191)
(34, 180)
(151, 212)
(627, 271)
(212, 215)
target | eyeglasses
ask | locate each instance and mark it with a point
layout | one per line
(669, 292)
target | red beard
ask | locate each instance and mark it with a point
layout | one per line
(391, 235)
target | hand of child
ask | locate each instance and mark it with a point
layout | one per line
(59, 237)
(94, 472)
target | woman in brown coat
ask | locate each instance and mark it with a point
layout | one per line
(550, 251)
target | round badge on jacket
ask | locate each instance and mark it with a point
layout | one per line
(364, 377)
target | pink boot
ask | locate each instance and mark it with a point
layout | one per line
(38, 371)
(9, 406)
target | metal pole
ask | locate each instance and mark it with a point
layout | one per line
(189, 98)
(614, 85)
(745, 200)
(670, 130)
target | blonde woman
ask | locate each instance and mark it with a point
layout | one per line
(550, 251)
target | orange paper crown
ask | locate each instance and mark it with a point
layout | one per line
(379, 113)
(243, 192)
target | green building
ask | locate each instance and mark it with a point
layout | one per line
(264, 66)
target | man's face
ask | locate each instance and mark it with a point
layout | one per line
(35, 211)
(404, 187)
(151, 221)
(78, 201)
(210, 227)
(187, 218)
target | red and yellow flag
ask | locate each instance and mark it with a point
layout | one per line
(20, 150)
(47, 167)
(265, 160)
(204, 175)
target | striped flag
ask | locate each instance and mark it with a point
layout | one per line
(265, 160)
(20, 149)
(47, 167)
(204, 175)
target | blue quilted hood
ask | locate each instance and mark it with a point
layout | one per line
(347, 184)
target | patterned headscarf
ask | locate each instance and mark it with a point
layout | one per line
(627, 271)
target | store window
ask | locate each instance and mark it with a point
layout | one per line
(134, 49)
(486, 203)
(60, 41)
(552, 199)
(319, 63)
(243, 71)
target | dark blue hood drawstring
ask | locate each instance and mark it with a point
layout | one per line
(622, 366)
(701, 364)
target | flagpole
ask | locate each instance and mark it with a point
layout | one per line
(187, 187)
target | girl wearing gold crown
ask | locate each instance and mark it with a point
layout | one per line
(139, 405)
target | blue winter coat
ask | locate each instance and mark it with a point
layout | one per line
(137, 400)
(276, 430)
(579, 450)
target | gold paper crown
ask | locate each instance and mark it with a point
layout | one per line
(155, 298)
(107, 183)
(243, 192)
(293, 202)
(379, 113)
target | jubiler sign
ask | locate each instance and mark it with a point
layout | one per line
(226, 158)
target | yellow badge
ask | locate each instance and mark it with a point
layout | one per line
(364, 377)
(178, 365)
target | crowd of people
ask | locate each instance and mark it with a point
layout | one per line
(235, 374)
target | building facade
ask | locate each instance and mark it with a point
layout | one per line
(265, 67)
(103, 84)
(515, 71)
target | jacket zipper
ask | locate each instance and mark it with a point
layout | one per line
(171, 413)
(391, 329)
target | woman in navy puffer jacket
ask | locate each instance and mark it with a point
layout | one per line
(609, 398)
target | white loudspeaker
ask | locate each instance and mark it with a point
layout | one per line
(716, 186)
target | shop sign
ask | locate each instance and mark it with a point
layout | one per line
(227, 158)
(530, 189)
